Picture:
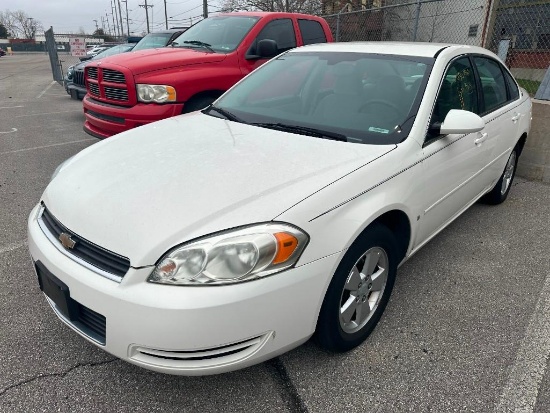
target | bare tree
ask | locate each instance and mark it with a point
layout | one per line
(294, 6)
(20, 24)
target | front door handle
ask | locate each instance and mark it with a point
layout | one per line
(516, 117)
(481, 138)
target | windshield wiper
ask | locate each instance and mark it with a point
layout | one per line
(303, 130)
(200, 44)
(224, 113)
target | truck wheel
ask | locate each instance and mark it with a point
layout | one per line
(359, 290)
(198, 103)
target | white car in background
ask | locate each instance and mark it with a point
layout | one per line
(215, 240)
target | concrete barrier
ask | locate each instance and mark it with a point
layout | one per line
(534, 162)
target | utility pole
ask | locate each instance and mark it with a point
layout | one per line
(113, 14)
(165, 15)
(108, 25)
(96, 26)
(146, 7)
(416, 19)
(120, 17)
(127, 23)
(204, 8)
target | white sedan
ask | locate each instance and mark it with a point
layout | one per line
(215, 240)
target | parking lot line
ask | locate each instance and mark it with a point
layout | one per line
(524, 379)
(47, 146)
(12, 107)
(45, 90)
(48, 113)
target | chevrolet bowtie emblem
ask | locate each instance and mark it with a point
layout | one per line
(67, 241)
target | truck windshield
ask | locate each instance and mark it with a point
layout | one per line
(221, 34)
(357, 97)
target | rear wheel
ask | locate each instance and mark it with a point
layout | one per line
(359, 290)
(502, 188)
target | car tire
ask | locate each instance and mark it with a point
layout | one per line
(500, 192)
(198, 103)
(359, 290)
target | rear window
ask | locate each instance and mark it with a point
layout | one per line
(312, 31)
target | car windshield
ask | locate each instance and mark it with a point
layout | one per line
(153, 40)
(221, 34)
(114, 50)
(356, 97)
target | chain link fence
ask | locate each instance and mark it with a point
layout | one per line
(59, 50)
(517, 30)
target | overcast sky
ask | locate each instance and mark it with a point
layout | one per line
(69, 16)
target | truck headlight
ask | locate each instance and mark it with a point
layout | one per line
(156, 93)
(70, 72)
(233, 256)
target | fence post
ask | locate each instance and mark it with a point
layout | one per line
(417, 18)
(52, 52)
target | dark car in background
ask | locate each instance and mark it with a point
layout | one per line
(2, 52)
(74, 80)
(159, 39)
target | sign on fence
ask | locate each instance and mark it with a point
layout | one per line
(78, 46)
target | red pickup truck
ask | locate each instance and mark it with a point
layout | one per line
(132, 89)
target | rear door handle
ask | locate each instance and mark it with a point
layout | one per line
(516, 117)
(481, 138)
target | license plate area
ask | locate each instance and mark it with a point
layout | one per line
(57, 291)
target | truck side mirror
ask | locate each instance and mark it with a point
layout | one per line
(267, 49)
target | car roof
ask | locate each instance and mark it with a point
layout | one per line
(391, 48)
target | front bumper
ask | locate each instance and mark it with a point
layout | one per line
(77, 92)
(191, 330)
(105, 120)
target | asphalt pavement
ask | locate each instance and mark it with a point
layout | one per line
(467, 328)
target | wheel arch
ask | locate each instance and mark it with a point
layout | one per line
(213, 94)
(521, 143)
(398, 223)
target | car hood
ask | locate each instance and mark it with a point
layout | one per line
(150, 60)
(144, 191)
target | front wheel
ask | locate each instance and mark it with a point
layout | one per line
(359, 290)
(502, 188)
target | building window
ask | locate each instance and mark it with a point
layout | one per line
(472, 31)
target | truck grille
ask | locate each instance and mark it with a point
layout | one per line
(94, 89)
(116, 94)
(87, 251)
(108, 85)
(92, 73)
(113, 76)
(78, 77)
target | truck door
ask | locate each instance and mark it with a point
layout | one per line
(280, 30)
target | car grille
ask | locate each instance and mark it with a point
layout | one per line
(108, 85)
(94, 323)
(78, 77)
(87, 251)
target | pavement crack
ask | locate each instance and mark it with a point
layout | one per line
(289, 392)
(61, 374)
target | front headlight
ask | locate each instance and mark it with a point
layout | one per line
(156, 93)
(233, 256)
(70, 72)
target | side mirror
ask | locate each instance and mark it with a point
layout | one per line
(267, 49)
(461, 122)
(84, 58)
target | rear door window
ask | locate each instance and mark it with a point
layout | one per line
(312, 31)
(493, 83)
